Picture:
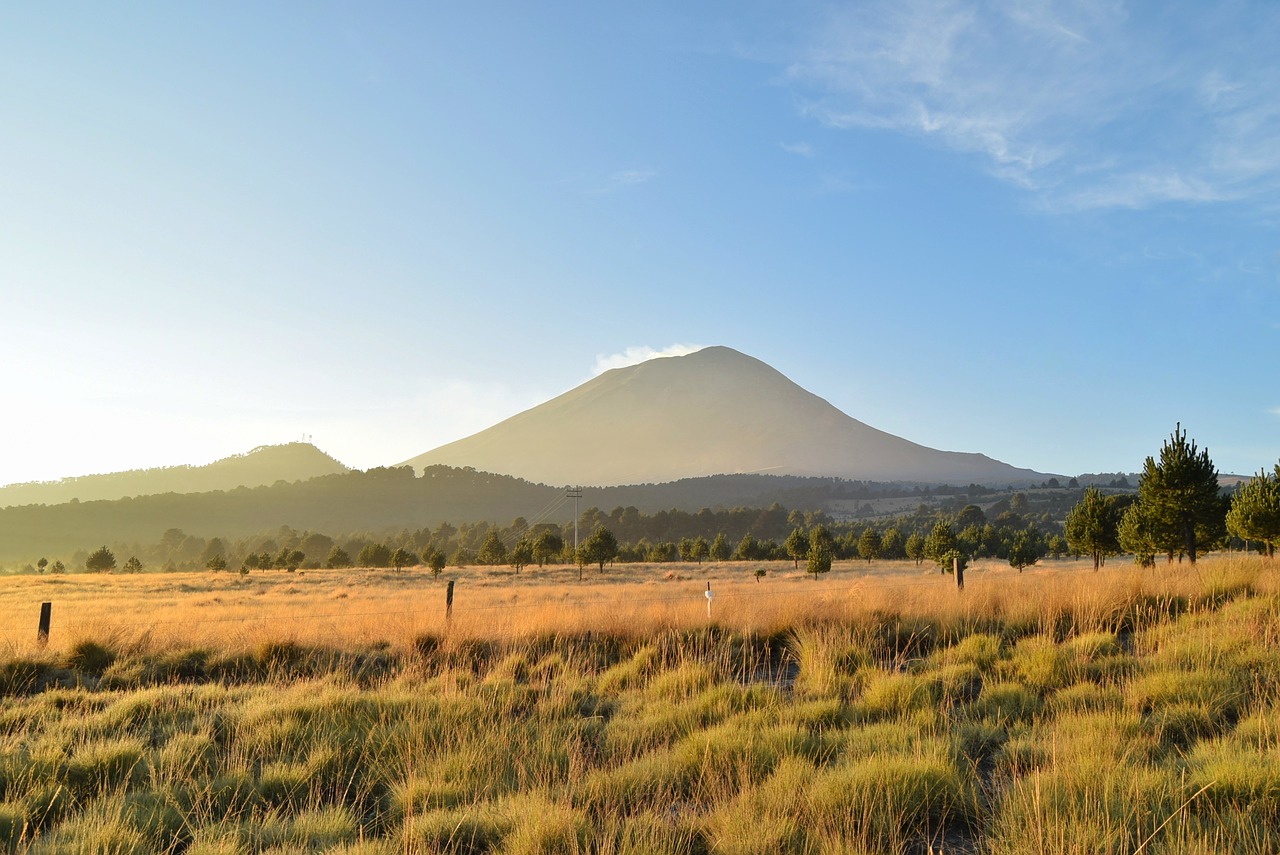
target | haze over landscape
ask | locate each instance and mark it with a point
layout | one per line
(1043, 232)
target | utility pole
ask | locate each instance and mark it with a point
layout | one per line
(575, 493)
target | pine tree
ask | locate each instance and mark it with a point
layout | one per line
(1027, 548)
(1179, 495)
(940, 546)
(403, 558)
(1092, 527)
(101, 560)
(797, 545)
(1255, 511)
(436, 562)
(601, 547)
(522, 554)
(720, 550)
(914, 547)
(492, 551)
(869, 544)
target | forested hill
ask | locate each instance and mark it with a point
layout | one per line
(294, 461)
(378, 500)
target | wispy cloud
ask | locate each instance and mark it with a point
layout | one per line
(641, 353)
(1079, 101)
(801, 148)
(625, 178)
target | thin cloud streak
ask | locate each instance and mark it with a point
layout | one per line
(1076, 101)
(624, 179)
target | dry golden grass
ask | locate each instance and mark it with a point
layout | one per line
(362, 607)
(365, 607)
(1057, 711)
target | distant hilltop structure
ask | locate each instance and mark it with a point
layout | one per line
(713, 412)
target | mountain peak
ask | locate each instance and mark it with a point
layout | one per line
(266, 464)
(715, 411)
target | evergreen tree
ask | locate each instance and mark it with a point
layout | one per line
(821, 547)
(869, 544)
(821, 552)
(216, 563)
(600, 547)
(720, 550)
(891, 544)
(338, 559)
(133, 565)
(940, 545)
(1180, 494)
(403, 558)
(547, 546)
(748, 549)
(1255, 511)
(1137, 535)
(374, 555)
(1027, 548)
(436, 562)
(101, 560)
(914, 548)
(701, 549)
(492, 551)
(797, 545)
(522, 554)
(1092, 527)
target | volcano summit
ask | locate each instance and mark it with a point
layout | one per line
(712, 412)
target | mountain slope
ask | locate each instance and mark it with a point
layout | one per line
(716, 411)
(267, 464)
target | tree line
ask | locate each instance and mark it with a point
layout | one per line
(1179, 510)
(1008, 528)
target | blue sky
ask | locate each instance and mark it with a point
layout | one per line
(1045, 231)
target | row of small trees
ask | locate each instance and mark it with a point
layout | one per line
(1179, 510)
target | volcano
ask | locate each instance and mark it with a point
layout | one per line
(712, 412)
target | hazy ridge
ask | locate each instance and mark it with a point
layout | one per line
(267, 464)
(382, 499)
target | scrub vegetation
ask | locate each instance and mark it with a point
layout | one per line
(1131, 710)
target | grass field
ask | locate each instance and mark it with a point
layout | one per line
(874, 710)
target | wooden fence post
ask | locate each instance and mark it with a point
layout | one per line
(42, 634)
(955, 565)
(448, 604)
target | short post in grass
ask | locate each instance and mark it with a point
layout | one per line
(959, 571)
(709, 596)
(42, 633)
(448, 604)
